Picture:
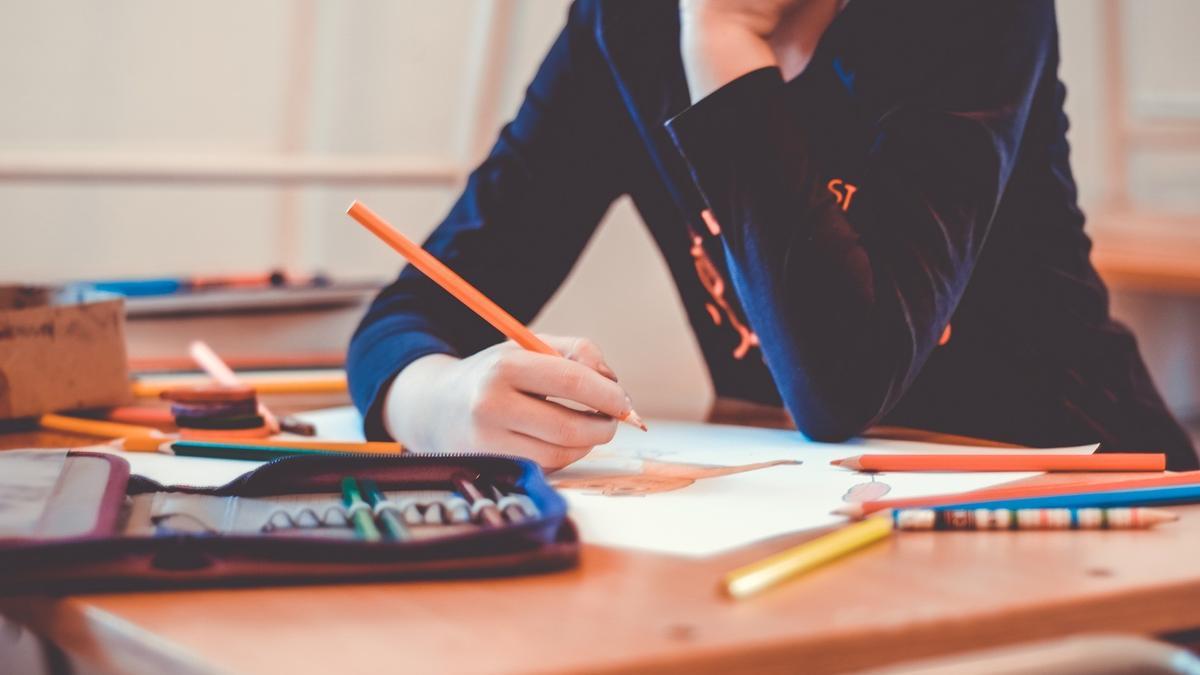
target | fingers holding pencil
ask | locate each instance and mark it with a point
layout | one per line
(581, 350)
(555, 377)
(469, 295)
(587, 353)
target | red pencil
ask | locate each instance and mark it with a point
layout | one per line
(1017, 491)
(1131, 461)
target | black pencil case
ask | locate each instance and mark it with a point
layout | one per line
(79, 521)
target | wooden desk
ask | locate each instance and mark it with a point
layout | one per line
(919, 594)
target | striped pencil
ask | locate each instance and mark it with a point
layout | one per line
(1030, 519)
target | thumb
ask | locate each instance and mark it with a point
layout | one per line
(580, 350)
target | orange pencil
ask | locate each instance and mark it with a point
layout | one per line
(1019, 491)
(151, 417)
(458, 287)
(1128, 461)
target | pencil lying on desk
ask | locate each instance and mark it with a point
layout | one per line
(1129, 461)
(332, 382)
(268, 450)
(460, 289)
(1020, 491)
(91, 427)
(774, 570)
(392, 527)
(1031, 519)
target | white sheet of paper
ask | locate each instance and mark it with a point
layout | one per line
(718, 513)
(190, 471)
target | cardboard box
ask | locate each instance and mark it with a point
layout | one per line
(60, 350)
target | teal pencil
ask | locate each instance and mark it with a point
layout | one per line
(235, 451)
(360, 513)
(391, 524)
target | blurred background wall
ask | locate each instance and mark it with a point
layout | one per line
(144, 138)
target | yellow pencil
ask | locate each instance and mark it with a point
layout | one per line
(771, 571)
(332, 383)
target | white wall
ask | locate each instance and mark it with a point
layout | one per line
(230, 85)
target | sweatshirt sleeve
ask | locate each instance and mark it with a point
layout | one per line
(515, 232)
(848, 304)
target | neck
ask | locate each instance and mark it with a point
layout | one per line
(795, 39)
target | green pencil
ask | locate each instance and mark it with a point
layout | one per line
(391, 524)
(360, 513)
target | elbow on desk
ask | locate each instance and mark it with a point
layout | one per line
(833, 415)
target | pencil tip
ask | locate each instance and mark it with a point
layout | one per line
(1156, 516)
(854, 511)
(633, 418)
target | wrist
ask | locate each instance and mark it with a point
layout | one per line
(408, 405)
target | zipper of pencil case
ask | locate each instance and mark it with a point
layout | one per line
(324, 456)
(377, 458)
(372, 457)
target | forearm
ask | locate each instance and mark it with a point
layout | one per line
(846, 307)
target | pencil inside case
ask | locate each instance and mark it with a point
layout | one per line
(285, 522)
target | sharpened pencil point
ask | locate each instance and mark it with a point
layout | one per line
(632, 417)
(854, 511)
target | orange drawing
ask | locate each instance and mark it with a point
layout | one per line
(654, 477)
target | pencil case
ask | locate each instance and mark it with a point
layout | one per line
(79, 521)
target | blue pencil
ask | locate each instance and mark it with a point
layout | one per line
(1175, 494)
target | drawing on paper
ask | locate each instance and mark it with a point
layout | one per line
(866, 492)
(654, 476)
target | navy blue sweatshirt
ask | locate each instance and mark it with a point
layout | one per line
(891, 237)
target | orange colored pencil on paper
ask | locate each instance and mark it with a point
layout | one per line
(1019, 491)
(1128, 461)
(458, 287)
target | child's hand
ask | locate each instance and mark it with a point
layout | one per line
(494, 401)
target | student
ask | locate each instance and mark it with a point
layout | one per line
(867, 208)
